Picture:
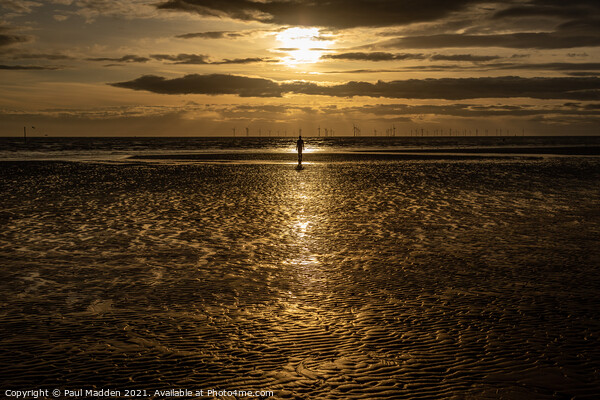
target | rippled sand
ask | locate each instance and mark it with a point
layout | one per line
(364, 280)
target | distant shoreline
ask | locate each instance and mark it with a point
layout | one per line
(545, 150)
(280, 150)
(389, 154)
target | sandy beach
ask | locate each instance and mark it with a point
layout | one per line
(364, 280)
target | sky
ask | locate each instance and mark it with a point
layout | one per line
(275, 67)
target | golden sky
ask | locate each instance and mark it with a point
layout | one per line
(207, 67)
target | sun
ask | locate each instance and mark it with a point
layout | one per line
(303, 45)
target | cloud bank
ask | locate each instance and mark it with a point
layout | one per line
(332, 13)
(212, 84)
(526, 40)
(574, 88)
(8, 39)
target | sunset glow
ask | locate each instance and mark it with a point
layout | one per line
(302, 45)
(205, 68)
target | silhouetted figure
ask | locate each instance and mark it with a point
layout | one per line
(300, 147)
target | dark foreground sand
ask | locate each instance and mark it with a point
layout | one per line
(387, 279)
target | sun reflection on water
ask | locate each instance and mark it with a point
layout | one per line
(304, 262)
(301, 227)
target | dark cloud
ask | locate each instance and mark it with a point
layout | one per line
(8, 39)
(543, 11)
(572, 9)
(444, 67)
(130, 58)
(35, 56)
(383, 56)
(584, 26)
(20, 7)
(201, 59)
(245, 60)
(509, 66)
(182, 58)
(211, 35)
(591, 4)
(512, 66)
(464, 88)
(362, 71)
(542, 40)
(462, 57)
(233, 34)
(580, 28)
(29, 67)
(332, 13)
(447, 88)
(583, 73)
(374, 56)
(558, 66)
(206, 84)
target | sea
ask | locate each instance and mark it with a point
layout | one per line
(122, 148)
(384, 268)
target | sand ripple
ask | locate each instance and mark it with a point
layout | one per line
(411, 279)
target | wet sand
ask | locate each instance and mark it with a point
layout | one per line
(361, 280)
(394, 154)
(321, 156)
